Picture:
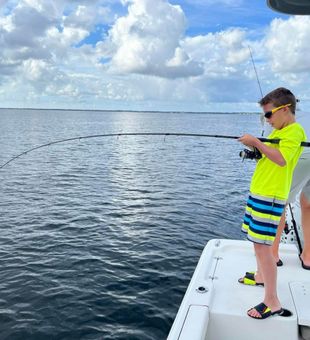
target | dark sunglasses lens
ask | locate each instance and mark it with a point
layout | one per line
(268, 114)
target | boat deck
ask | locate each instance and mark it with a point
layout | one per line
(215, 304)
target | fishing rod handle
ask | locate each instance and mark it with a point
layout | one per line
(276, 141)
(267, 140)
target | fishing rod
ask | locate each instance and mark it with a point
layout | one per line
(265, 140)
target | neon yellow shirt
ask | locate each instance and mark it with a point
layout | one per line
(270, 179)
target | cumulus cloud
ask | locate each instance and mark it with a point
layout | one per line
(39, 37)
(221, 52)
(287, 43)
(148, 41)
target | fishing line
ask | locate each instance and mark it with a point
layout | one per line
(262, 118)
(258, 82)
(165, 134)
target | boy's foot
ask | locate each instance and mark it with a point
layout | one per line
(279, 263)
(277, 259)
(250, 279)
(303, 264)
(262, 311)
(255, 278)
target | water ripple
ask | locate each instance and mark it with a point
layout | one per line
(99, 238)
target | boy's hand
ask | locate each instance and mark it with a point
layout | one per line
(248, 140)
(270, 152)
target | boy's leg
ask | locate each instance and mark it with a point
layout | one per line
(275, 249)
(305, 221)
(276, 243)
(268, 269)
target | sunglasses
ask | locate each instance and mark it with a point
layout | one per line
(268, 114)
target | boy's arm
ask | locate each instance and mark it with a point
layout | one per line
(273, 154)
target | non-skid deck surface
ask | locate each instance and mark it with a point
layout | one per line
(232, 299)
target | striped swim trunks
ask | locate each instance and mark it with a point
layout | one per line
(262, 217)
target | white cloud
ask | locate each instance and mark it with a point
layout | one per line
(287, 43)
(147, 41)
(33, 69)
(36, 32)
(222, 53)
(86, 17)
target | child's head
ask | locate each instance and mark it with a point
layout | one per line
(279, 107)
(278, 97)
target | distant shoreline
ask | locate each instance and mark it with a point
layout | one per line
(142, 111)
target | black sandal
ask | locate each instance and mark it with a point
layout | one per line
(264, 311)
(249, 279)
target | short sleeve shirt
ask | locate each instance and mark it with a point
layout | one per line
(270, 179)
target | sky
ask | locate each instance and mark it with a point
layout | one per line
(150, 55)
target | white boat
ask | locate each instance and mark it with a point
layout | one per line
(215, 304)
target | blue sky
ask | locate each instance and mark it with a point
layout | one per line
(206, 16)
(171, 55)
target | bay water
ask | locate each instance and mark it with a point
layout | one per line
(99, 237)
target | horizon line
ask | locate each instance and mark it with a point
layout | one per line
(122, 110)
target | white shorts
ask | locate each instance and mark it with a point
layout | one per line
(301, 180)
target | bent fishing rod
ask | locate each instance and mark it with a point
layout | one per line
(165, 134)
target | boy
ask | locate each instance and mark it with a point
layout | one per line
(269, 190)
(300, 182)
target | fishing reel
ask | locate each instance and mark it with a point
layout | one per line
(250, 154)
